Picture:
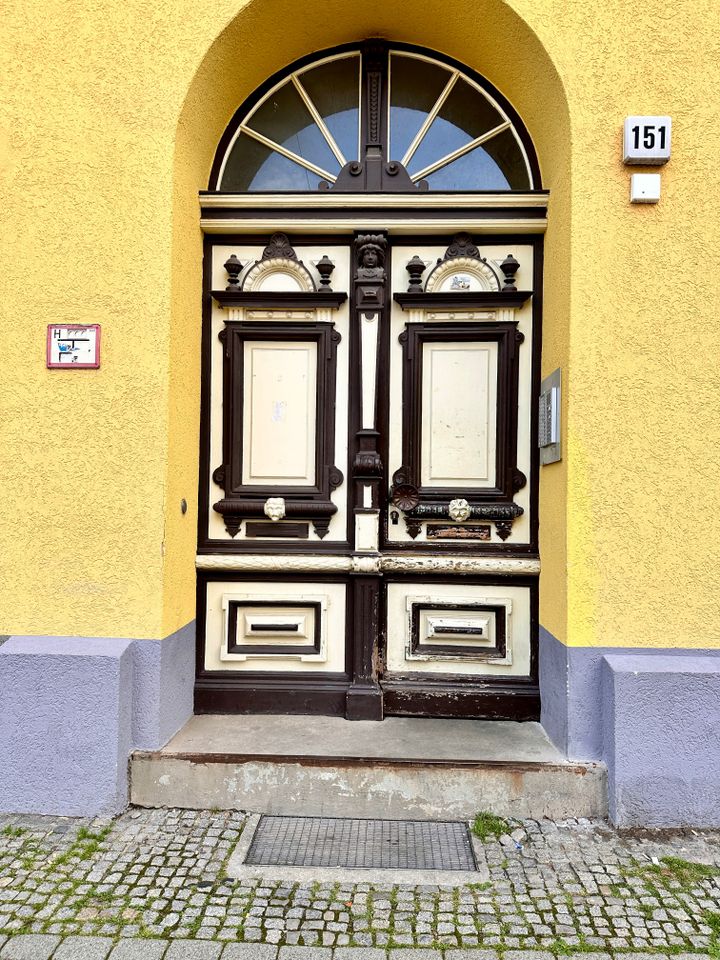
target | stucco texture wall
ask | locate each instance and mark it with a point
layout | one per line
(111, 114)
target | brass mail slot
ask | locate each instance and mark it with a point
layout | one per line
(456, 631)
(275, 627)
(477, 631)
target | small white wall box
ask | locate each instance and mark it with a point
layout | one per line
(646, 140)
(645, 188)
(75, 347)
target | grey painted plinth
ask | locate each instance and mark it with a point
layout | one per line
(660, 717)
(164, 684)
(402, 768)
(65, 724)
(571, 691)
(72, 710)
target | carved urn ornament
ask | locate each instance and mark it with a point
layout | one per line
(509, 267)
(233, 268)
(416, 268)
(325, 267)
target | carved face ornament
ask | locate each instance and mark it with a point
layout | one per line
(459, 510)
(274, 508)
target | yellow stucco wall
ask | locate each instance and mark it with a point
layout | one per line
(110, 115)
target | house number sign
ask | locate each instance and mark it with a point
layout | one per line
(75, 347)
(646, 140)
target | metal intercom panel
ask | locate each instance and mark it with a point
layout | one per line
(549, 419)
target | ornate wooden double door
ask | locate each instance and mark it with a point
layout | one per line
(368, 507)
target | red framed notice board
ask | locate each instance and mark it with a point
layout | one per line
(73, 347)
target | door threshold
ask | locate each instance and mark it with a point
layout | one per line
(406, 767)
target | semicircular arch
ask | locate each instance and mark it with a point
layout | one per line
(444, 126)
(513, 52)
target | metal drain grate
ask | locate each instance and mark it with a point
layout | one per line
(384, 844)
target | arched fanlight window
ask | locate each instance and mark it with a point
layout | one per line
(377, 119)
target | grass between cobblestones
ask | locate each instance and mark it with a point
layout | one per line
(567, 888)
(487, 825)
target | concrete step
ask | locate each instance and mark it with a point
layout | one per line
(402, 768)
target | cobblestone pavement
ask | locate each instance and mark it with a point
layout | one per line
(152, 882)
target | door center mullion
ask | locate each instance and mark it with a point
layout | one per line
(369, 319)
(369, 305)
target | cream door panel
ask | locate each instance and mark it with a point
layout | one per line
(401, 255)
(459, 414)
(248, 254)
(369, 329)
(453, 628)
(275, 626)
(367, 532)
(279, 413)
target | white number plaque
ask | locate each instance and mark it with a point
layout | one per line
(646, 140)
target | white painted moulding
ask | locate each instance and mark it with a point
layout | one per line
(344, 201)
(288, 563)
(407, 225)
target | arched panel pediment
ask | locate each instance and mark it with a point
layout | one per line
(462, 275)
(278, 270)
(278, 275)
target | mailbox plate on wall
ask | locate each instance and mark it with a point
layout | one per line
(646, 140)
(73, 347)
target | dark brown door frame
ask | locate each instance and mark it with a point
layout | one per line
(361, 692)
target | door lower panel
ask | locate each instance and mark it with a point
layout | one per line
(402, 697)
(458, 630)
(420, 697)
(283, 694)
(465, 648)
